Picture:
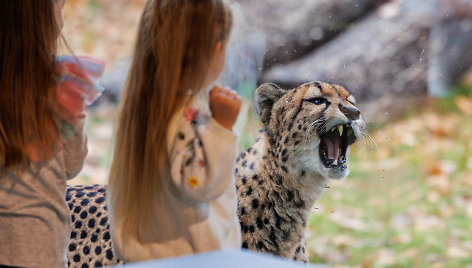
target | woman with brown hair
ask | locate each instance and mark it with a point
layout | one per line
(42, 140)
(171, 190)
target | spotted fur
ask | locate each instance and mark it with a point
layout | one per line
(278, 179)
(90, 241)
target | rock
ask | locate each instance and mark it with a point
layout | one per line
(450, 43)
(273, 31)
(294, 28)
(383, 59)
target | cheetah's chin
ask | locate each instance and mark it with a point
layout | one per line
(334, 146)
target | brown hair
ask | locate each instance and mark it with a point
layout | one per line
(175, 44)
(28, 43)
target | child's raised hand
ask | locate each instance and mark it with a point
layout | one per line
(224, 106)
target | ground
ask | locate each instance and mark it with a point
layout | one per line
(406, 202)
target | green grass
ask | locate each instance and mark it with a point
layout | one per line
(447, 104)
(392, 210)
(397, 198)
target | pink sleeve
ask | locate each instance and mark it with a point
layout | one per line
(78, 86)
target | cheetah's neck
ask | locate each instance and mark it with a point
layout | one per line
(279, 162)
(294, 190)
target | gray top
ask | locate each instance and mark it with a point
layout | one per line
(34, 217)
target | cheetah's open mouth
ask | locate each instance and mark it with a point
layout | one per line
(334, 145)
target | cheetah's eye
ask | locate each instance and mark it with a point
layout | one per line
(318, 101)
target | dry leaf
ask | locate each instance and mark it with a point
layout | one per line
(464, 104)
(457, 252)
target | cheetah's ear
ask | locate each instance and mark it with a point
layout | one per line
(266, 95)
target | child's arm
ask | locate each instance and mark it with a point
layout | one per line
(77, 89)
(75, 149)
(203, 156)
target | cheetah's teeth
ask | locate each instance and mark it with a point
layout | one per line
(340, 129)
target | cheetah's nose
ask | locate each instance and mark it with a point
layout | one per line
(350, 112)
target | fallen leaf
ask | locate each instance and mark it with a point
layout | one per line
(343, 240)
(385, 257)
(457, 252)
(464, 104)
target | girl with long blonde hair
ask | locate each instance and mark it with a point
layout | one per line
(42, 140)
(171, 191)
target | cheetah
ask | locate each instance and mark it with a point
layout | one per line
(304, 143)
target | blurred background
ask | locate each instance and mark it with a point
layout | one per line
(408, 199)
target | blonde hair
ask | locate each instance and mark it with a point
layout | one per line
(175, 44)
(28, 44)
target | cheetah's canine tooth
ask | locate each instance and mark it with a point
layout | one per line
(340, 129)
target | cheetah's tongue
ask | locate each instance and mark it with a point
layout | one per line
(333, 148)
